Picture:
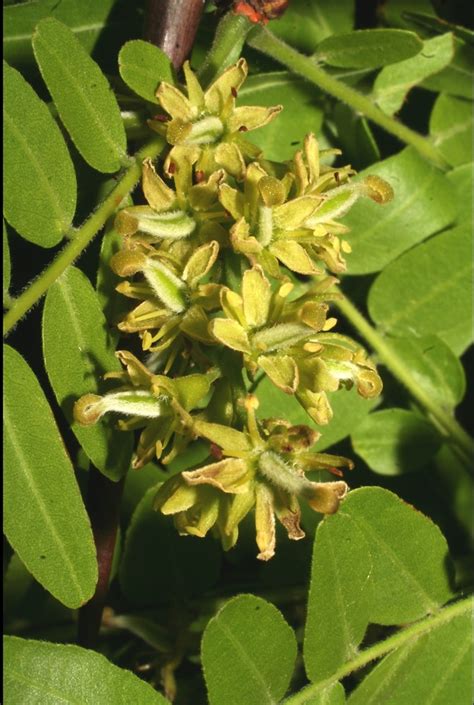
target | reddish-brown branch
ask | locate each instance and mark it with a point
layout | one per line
(172, 26)
(103, 506)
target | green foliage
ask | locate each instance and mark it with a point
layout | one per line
(56, 542)
(416, 292)
(393, 82)
(6, 262)
(36, 158)
(143, 66)
(281, 137)
(158, 565)
(424, 204)
(218, 329)
(51, 673)
(248, 653)
(394, 441)
(451, 126)
(368, 49)
(77, 353)
(82, 96)
(397, 676)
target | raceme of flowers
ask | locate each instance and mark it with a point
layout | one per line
(231, 270)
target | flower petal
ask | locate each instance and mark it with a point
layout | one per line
(232, 200)
(251, 117)
(219, 92)
(265, 522)
(256, 297)
(175, 495)
(233, 442)
(282, 371)
(293, 256)
(229, 475)
(200, 262)
(157, 193)
(175, 103)
(195, 92)
(231, 334)
(230, 158)
(325, 497)
(293, 214)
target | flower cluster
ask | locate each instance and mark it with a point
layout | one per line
(234, 256)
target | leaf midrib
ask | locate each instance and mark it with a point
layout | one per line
(247, 660)
(33, 159)
(406, 310)
(117, 152)
(24, 465)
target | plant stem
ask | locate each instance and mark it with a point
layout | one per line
(103, 506)
(395, 641)
(456, 435)
(266, 42)
(82, 237)
(226, 47)
(172, 26)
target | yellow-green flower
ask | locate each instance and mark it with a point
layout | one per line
(175, 220)
(291, 221)
(174, 301)
(155, 403)
(263, 467)
(211, 122)
(289, 341)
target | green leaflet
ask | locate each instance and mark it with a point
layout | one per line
(463, 182)
(304, 24)
(53, 674)
(435, 668)
(424, 203)
(159, 566)
(349, 410)
(338, 601)
(88, 19)
(77, 352)
(332, 695)
(434, 366)
(419, 294)
(368, 48)
(451, 127)
(368, 567)
(456, 78)
(395, 441)
(55, 543)
(40, 183)
(143, 66)
(6, 262)
(248, 653)
(83, 97)
(281, 138)
(393, 82)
